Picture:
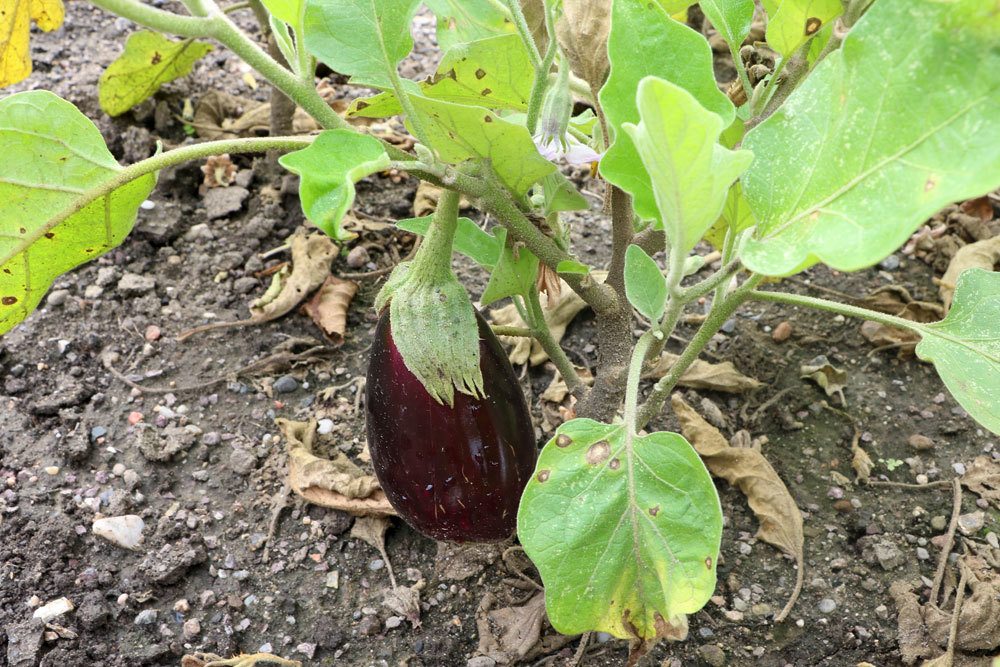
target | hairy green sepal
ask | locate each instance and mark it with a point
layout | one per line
(433, 321)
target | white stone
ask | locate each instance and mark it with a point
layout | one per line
(53, 609)
(324, 426)
(125, 531)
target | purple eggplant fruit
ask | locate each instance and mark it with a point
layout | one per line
(454, 473)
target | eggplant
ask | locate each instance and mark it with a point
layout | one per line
(454, 473)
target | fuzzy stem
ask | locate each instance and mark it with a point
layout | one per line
(434, 256)
(541, 83)
(540, 330)
(514, 7)
(632, 383)
(835, 307)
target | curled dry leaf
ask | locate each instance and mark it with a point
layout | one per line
(704, 375)
(559, 312)
(328, 307)
(426, 200)
(405, 601)
(508, 634)
(582, 32)
(980, 207)
(219, 171)
(748, 470)
(336, 483)
(982, 477)
(558, 405)
(220, 115)
(826, 375)
(981, 254)
(913, 642)
(896, 300)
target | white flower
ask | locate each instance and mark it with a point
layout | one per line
(567, 148)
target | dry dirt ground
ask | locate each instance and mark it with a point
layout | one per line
(203, 466)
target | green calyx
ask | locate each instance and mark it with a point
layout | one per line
(433, 321)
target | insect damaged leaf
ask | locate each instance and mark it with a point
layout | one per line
(624, 530)
(148, 61)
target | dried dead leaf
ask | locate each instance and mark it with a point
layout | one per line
(426, 200)
(861, 462)
(979, 617)
(337, 483)
(897, 300)
(559, 312)
(582, 32)
(982, 477)
(219, 171)
(220, 115)
(507, 635)
(328, 307)
(826, 375)
(405, 601)
(705, 375)
(912, 636)
(882, 335)
(981, 254)
(557, 391)
(980, 207)
(549, 284)
(747, 469)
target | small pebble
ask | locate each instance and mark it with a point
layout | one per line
(146, 617)
(920, 442)
(358, 257)
(393, 622)
(827, 605)
(923, 554)
(971, 523)
(286, 384)
(125, 531)
(153, 333)
(324, 426)
(782, 332)
(192, 628)
(53, 609)
(890, 263)
(134, 418)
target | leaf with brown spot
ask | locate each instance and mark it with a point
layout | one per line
(705, 375)
(328, 307)
(336, 483)
(748, 470)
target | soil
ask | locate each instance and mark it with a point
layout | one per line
(204, 466)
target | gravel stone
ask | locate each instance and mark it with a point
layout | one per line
(286, 384)
(132, 284)
(712, 655)
(221, 202)
(827, 605)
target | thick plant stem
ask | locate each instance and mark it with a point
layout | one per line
(434, 256)
(542, 69)
(721, 311)
(514, 7)
(217, 25)
(540, 331)
(632, 383)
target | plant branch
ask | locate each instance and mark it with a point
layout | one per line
(835, 307)
(721, 311)
(514, 7)
(621, 236)
(541, 82)
(517, 332)
(642, 347)
(158, 19)
(541, 333)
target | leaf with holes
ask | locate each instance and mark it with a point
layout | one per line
(329, 168)
(731, 18)
(364, 39)
(965, 346)
(460, 21)
(494, 73)
(60, 202)
(792, 22)
(459, 133)
(899, 122)
(149, 61)
(625, 531)
(670, 50)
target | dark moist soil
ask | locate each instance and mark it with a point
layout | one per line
(203, 466)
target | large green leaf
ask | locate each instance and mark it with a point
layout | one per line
(460, 21)
(625, 530)
(645, 287)
(732, 18)
(965, 346)
(792, 22)
(59, 206)
(514, 274)
(669, 50)
(285, 10)
(365, 39)
(329, 168)
(493, 72)
(148, 61)
(899, 122)
(478, 245)
(461, 133)
(690, 172)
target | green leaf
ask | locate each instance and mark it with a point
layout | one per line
(561, 195)
(59, 206)
(329, 168)
(897, 123)
(690, 172)
(645, 285)
(736, 215)
(285, 10)
(461, 133)
(365, 39)
(670, 50)
(572, 266)
(494, 73)
(965, 346)
(515, 274)
(732, 18)
(625, 531)
(148, 61)
(478, 245)
(460, 21)
(795, 21)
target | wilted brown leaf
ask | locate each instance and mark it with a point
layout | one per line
(704, 375)
(223, 116)
(219, 171)
(912, 636)
(426, 200)
(328, 307)
(748, 470)
(981, 254)
(507, 635)
(826, 375)
(582, 31)
(982, 477)
(981, 207)
(405, 601)
(337, 483)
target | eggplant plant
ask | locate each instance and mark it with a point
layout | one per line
(876, 115)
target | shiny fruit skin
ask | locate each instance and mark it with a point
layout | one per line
(453, 473)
